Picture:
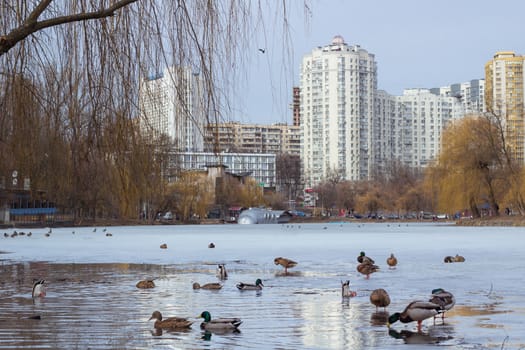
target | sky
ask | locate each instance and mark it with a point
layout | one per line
(416, 43)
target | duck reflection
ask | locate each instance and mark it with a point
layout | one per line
(157, 332)
(379, 318)
(434, 335)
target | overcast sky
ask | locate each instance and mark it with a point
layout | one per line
(416, 43)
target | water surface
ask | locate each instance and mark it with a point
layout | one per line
(92, 301)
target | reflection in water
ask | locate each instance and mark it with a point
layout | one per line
(379, 318)
(434, 335)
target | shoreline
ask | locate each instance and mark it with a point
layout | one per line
(504, 221)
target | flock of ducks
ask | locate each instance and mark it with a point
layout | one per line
(209, 324)
(439, 302)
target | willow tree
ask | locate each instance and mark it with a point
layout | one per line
(69, 78)
(468, 172)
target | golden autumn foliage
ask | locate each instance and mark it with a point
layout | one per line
(191, 195)
(469, 173)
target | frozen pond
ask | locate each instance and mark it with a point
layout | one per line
(92, 301)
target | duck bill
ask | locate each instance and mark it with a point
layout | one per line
(388, 324)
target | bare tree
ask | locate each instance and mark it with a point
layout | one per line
(75, 68)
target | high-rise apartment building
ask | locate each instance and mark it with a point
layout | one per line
(504, 96)
(338, 83)
(171, 104)
(471, 95)
(422, 116)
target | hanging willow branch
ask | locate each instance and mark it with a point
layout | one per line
(32, 25)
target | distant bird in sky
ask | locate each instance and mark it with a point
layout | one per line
(262, 50)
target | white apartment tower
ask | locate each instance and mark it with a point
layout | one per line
(171, 105)
(422, 117)
(338, 83)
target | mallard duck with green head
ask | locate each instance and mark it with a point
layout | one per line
(416, 311)
(219, 324)
(362, 258)
(170, 322)
(247, 286)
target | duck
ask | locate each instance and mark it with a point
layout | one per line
(449, 259)
(363, 258)
(416, 311)
(211, 245)
(444, 299)
(219, 324)
(246, 286)
(221, 272)
(213, 286)
(459, 258)
(163, 246)
(391, 261)
(38, 289)
(367, 268)
(345, 290)
(145, 284)
(380, 298)
(284, 262)
(170, 322)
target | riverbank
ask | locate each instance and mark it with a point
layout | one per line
(484, 221)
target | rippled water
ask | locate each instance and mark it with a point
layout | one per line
(92, 301)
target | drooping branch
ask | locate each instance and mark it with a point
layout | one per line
(32, 25)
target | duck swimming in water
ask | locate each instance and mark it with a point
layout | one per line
(211, 286)
(145, 284)
(170, 322)
(246, 286)
(219, 324)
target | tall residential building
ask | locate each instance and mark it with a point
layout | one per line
(171, 105)
(422, 116)
(505, 98)
(338, 83)
(234, 137)
(471, 95)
